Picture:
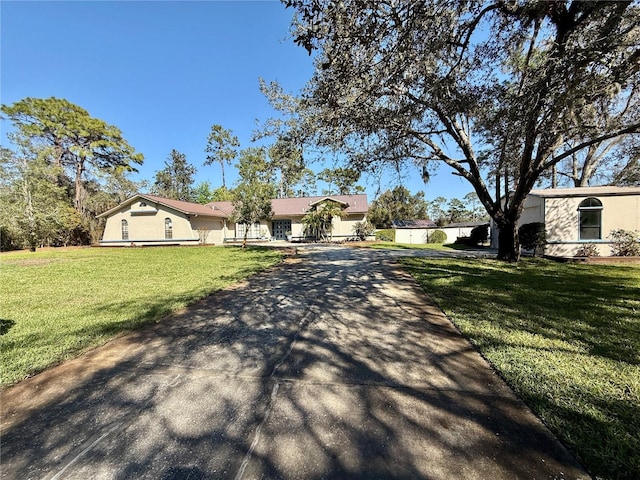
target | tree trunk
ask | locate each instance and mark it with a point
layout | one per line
(508, 241)
(79, 200)
(244, 239)
(29, 213)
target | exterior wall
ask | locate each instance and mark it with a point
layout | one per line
(344, 227)
(562, 222)
(561, 217)
(147, 226)
(411, 236)
(533, 210)
(211, 230)
(422, 235)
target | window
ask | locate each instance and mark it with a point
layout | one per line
(168, 228)
(590, 217)
(125, 230)
(253, 230)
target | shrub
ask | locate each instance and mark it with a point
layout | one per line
(438, 236)
(8, 241)
(625, 243)
(588, 250)
(386, 235)
(363, 229)
(479, 234)
(533, 236)
(464, 241)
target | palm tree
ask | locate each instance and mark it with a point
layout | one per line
(319, 221)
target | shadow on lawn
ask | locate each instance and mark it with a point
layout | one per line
(313, 371)
(574, 303)
(591, 310)
(5, 325)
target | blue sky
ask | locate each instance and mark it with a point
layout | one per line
(164, 72)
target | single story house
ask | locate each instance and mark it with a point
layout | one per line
(574, 217)
(286, 221)
(420, 231)
(152, 220)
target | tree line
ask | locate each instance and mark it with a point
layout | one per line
(399, 204)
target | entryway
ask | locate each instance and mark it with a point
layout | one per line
(280, 229)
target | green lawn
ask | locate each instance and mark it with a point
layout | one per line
(55, 304)
(567, 339)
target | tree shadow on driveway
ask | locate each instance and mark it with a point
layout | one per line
(333, 366)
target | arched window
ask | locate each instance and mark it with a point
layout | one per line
(125, 229)
(590, 217)
(168, 228)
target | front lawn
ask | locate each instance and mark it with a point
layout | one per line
(566, 337)
(55, 304)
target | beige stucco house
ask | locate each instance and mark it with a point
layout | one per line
(288, 213)
(577, 216)
(151, 220)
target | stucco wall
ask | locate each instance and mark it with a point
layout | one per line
(422, 235)
(147, 226)
(562, 222)
(213, 230)
(561, 219)
(342, 227)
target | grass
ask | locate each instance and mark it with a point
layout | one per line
(566, 337)
(55, 304)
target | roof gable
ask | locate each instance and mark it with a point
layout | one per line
(187, 208)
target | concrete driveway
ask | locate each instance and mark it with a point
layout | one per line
(333, 364)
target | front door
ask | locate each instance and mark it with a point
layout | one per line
(281, 228)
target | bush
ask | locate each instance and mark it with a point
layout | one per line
(438, 236)
(8, 240)
(386, 235)
(465, 241)
(588, 250)
(479, 234)
(625, 243)
(363, 229)
(533, 236)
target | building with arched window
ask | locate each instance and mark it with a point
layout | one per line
(575, 217)
(151, 220)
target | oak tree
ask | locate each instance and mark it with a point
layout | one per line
(500, 91)
(397, 204)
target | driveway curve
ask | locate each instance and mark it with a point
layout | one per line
(334, 364)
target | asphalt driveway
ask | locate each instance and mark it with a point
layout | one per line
(333, 364)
